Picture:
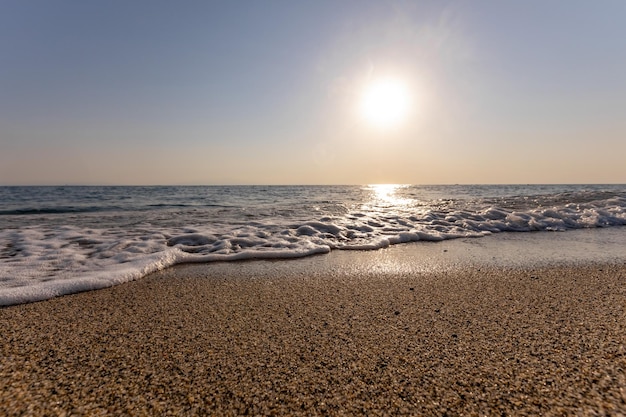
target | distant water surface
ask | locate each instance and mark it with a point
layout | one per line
(60, 240)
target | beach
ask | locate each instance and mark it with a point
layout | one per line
(449, 328)
(312, 208)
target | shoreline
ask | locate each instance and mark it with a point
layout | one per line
(526, 249)
(382, 335)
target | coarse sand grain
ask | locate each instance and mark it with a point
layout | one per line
(192, 341)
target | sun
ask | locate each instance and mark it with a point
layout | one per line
(385, 103)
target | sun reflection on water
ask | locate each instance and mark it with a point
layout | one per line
(388, 195)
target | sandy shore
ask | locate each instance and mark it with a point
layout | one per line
(259, 338)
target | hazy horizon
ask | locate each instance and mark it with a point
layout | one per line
(312, 185)
(279, 93)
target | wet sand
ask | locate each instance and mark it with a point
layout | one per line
(359, 333)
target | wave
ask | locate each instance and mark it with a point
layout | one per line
(26, 211)
(57, 210)
(38, 262)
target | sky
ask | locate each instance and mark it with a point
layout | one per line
(268, 92)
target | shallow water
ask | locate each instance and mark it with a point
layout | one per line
(60, 240)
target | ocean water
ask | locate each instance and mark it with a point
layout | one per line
(62, 240)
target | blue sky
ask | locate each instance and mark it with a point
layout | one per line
(264, 92)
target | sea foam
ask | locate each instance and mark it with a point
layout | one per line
(52, 258)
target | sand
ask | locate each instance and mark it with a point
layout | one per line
(371, 337)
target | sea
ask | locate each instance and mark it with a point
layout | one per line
(67, 239)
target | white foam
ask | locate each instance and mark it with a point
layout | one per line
(41, 262)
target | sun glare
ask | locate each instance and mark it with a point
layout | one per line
(389, 194)
(385, 103)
